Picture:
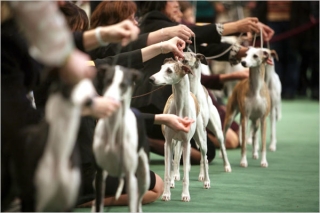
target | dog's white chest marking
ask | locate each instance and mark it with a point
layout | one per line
(56, 181)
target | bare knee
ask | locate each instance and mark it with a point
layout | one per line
(153, 194)
(232, 139)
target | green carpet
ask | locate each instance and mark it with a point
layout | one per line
(289, 184)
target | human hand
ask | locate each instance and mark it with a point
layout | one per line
(267, 32)
(123, 32)
(174, 122)
(174, 45)
(249, 24)
(102, 107)
(181, 31)
(76, 68)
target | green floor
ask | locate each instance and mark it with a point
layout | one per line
(289, 184)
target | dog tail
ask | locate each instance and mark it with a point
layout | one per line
(120, 188)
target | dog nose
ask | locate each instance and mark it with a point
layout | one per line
(151, 79)
(243, 63)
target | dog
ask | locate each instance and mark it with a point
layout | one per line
(116, 147)
(209, 115)
(183, 104)
(251, 98)
(274, 85)
(48, 170)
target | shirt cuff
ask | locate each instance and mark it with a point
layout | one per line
(232, 55)
(220, 28)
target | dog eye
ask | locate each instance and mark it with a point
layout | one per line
(255, 56)
(122, 85)
(169, 71)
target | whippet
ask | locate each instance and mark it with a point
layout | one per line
(183, 104)
(251, 98)
(57, 174)
(274, 85)
(116, 147)
(209, 118)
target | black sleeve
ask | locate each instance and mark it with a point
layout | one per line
(132, 59)
(78, 39)
(206, 34)
(211, 82)
(212, 50)
(149, 120)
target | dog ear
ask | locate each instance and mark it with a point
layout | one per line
(136, 75)
(202, 58)
(186, 69)
(167, 60)
(274, 55)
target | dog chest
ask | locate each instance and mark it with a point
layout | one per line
(256, 106)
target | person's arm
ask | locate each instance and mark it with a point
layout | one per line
(123, 32)
(249, 24)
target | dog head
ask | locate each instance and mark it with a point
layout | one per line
(171, 72)
(255, 57)
(193, 60)
(115, 81)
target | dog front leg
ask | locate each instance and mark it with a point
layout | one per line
(176, 163)
(132, 190)
(255, 139)
(243, 161)
(166, 196)
(264, 162)
(143, 177)
(185, 196)
(273, 142)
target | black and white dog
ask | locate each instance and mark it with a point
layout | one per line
(116, 147)
(47, 171)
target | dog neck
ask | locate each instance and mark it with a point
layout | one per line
(195, 79)
(269, 71)
(181, 92)
(256, 78)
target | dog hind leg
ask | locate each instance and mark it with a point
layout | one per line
(264, 162)
(99, 183)
(166, 196)
(273, 141)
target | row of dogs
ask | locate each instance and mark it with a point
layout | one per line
(53, 178)
(254, 98)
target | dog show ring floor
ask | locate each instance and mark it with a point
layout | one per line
(289, 184)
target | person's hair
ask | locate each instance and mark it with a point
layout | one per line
(148, 6)
(184, 5)
(112, 12)
(76, 17)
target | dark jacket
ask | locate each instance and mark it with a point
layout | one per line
(155, 101)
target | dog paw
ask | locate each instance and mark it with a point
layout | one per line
(272, 148)
(264, 164)
(185, 197)
(227, 168)
(172, 184)
(255, 156)
(165, 197)
(206, 184)
(244, 164)
(201, 177)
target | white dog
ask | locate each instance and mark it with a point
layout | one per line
(183, 104)
(116, 147)
(57, 176)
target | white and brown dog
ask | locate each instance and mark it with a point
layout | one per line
(116, 147)
(251, 98)
(183, 104)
